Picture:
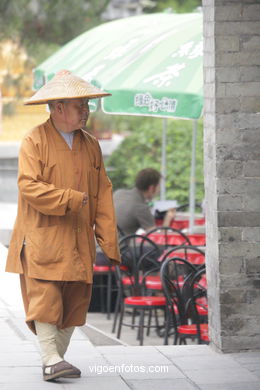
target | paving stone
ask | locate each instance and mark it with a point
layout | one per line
(82, 346)
(82, 343)
(86, 361)
(39, 385)
(17, 347)
(22, 375)
(79, 335)
(3, 312)
(186, 350)
(257, 373)
(10, 343)
(138, 359)
(121, 349)
(90, 383)
(221, 376)
(252, 357)
(205, 362)
(20, 359)
(165, 384)
(5, 372)
(84, 355)
(231, 386)
(154, 372)
(252, 366)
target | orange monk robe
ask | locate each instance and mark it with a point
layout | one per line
(58, 231)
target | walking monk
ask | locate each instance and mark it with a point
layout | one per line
(65, 201)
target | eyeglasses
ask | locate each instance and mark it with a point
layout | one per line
(84, 104)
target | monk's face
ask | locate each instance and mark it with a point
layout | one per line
(73, 113)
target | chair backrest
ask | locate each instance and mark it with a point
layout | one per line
(166, 237)
(133, 246)
(175, 272)
(196, 287)
(191, 253)
(136, 249)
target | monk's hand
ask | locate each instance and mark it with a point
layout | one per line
(85, 199)
(114, 262)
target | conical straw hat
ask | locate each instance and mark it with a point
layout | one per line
(65, 85)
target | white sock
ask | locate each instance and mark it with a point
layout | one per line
(63, 339)
(46, 334)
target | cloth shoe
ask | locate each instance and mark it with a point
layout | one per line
(61, 369)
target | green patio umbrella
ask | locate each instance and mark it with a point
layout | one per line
(152, 65)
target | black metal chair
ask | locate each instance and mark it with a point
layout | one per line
(197, 305)
(191, 253)
(140, 304)
(132, 248)
(163, 237)
(175, 272)
(138, 301)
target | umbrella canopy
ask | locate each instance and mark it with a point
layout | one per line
(152, 64)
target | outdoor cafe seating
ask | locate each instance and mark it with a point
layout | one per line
(138, 288)
(192, 253)
(165, 236)
(169, 236)
(142, 290)
(185, 290)
(182, 223)
(138, 254)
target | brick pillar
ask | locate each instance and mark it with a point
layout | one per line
(232, 171)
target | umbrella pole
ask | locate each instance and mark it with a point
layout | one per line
(163, 161)
(192, 177)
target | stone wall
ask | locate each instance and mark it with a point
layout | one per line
(232, 171)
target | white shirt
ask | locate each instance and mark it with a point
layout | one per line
(68, 137)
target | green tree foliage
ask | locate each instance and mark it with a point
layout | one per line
(42, 26)
(142, 149)
(178, 6)
(45, 25)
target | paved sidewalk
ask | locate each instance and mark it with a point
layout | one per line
(117, 367)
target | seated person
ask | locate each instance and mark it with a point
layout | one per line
(132, 206)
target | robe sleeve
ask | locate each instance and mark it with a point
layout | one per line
(105, 221)
(42, 196)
